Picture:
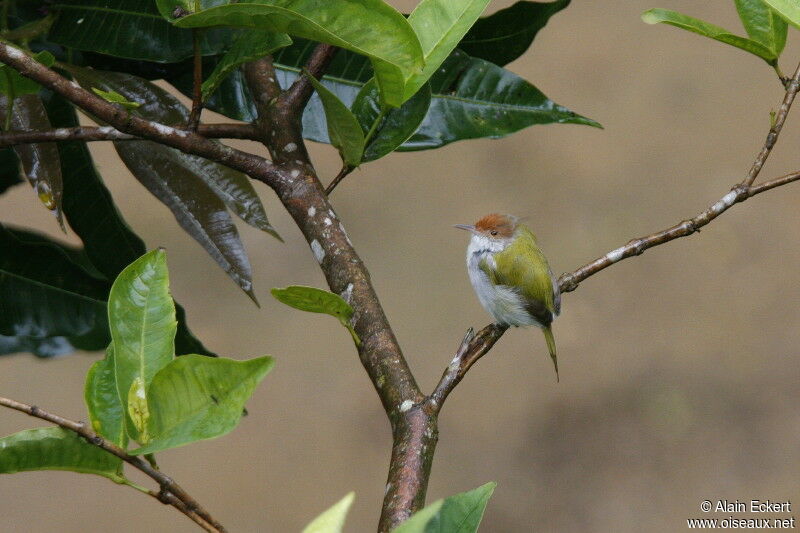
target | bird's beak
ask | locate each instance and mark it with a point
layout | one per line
(468, 227)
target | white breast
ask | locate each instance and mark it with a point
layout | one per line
(502, 302)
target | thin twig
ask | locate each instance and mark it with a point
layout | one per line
(197, 83)
(107, 133)
(296, 97)
(346, 169)
(473, 349)
(775, 130)
(186, 141)
(167, 484)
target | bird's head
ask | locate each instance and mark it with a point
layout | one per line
(494, 227)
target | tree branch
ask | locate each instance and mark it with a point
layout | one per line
(296, 97)
(170, 492)
(413, 427)
(107, 133)
(119, 118)
(473, 347)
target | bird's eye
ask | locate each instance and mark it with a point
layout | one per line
(493, 232)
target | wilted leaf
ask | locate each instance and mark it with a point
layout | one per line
(40, 161)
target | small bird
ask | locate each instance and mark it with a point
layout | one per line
(511, 276)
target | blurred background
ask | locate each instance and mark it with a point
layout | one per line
(679, 368)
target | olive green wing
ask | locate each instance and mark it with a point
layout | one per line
(523, 265)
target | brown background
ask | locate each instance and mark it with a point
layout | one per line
(679, 368)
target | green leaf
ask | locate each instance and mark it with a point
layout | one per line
(788, 9)
(115, 98)
(250, 45)
(332, 520)
(475, 99)
(108, 241)
(195, 398)
(44, 293)
(141, 317)
(131, 29)
(462, 105)
(763, 24)
(106, 412)
(15, 84)
(55, 448)
(368, 27)
(461, 513)
(506, 34)
(440, 25)
(673, 18)
(344, 129)
(316, 300)
(40, 161)
(389, 128)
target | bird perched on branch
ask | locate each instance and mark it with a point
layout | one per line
(511, 276)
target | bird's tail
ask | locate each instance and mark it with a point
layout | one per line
(551, 346)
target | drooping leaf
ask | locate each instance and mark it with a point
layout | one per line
(198, 210)
(9, 169)
(115, 98)
(45, 294)
(106, 412)
(195, 189)
(673, 18)
(506, 34)
(55, 448)
(439, 25)
(195, 398)
(368, 27)
(108, 241)
(461, 513)
(788, 9)
(332, 520)
(475, 99)
(763, 24)
(316, 300)
(130, 29)
(249, 46)
(344, 129)
(12, 83)
(141, 317)
(390, 129)
(40, 161)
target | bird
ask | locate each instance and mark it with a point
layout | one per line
(511, 275)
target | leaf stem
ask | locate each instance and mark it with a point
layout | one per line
(375, 125)
(4, 15)
(197, 85)
(346, 169)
